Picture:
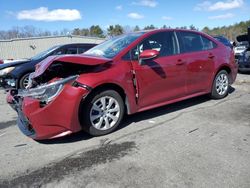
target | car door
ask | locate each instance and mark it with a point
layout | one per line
(197, 51)
(162, 78)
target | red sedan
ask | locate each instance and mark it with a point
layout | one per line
(126, 74)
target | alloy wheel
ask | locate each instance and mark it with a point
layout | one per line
(222, 84)
(105, 113)
(26, 82)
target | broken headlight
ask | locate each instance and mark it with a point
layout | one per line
(47, 92)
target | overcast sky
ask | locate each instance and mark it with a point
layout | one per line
(59, 14)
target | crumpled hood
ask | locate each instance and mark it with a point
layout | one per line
(76, 59)
(13, 64)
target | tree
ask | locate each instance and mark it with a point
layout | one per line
(76, 31)
(115, 30)
(182, 27)
(150, 27)
(137, 28)
(85, 32)
(231, 32)
(164, 26)
(192, 27)
(96, 31)
(205, 30)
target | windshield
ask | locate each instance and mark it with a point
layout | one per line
(112, 47)
(44, 53)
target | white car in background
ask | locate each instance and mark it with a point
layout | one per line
(240, 49)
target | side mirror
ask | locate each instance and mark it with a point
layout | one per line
(147, 55)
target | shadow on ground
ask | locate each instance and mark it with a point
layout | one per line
(146, 115)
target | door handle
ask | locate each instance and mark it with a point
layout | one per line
(180, 62)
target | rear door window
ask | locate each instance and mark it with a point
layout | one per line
(194, 42)
(207, 43)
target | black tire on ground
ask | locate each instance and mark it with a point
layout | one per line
(218, 93)
(104, 113)
(22, 81)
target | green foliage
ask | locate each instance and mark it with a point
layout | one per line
(231, 32)
(150, 27)
(95, 31)
(192, 27)
(115, 30)
(137, 28)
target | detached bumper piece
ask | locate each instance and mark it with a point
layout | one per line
(22, 121)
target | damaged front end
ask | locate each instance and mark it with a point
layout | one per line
(7, 81)
(49, 107)
(65, 66)
(42, 95)
(46, 92)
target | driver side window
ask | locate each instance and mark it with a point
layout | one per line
(163, 42)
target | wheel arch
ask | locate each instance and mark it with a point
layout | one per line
(223, 67)
(229, 71)
(111, 86)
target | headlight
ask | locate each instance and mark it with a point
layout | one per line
(6, 71)
(46, 93)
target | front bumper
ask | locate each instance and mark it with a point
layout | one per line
(56, 119)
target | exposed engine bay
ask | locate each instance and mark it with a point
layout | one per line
(61, 70)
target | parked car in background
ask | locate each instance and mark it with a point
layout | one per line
(1, 61)
(225, 41)
(126, 74)
(14, 60)
(244, 61)
(242, 52)
(15, 74)
(240, 48)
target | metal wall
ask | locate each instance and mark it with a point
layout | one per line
(26, 48)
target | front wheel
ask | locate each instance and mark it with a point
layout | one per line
(102, 113)
(24, 81)
(220, 85)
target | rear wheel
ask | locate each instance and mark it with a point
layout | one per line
(220, 85)
(24, 81)
(102, 113)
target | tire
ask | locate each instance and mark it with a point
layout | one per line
(220, 85)
(24, 81)
(102, 112)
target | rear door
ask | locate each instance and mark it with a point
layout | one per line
(197, 51)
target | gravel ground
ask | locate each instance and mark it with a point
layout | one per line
(193, 143)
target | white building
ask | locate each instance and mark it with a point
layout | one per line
(28, 47)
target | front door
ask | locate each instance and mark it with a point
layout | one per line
(162, 78)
